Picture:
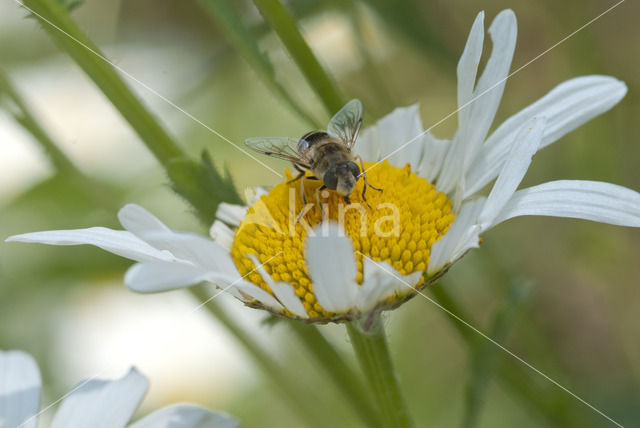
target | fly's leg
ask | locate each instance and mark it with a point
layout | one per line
(301, 173)
(304, 197)
(318, 190)
(366, 182)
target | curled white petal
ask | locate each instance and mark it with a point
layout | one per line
(19, 390)
(589, 200)
(332, 267)
(525, 146)
(102, 403)
(488, 92)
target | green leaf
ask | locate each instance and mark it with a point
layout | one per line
(202, 185)
(70, 4)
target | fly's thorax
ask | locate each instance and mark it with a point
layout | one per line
(311, 140)
(327, 154)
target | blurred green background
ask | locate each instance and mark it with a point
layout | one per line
(576, 283)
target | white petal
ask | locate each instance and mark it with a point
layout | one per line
(283, 291)
(186, 416)
(380, 281)
(256, 293)
(332, 266)
(401, 132)
(139, 221)
(488, 91)
(287, 296)
(118, 242)
(253, 194)
(589, 200)
(454, 163)
(102, 403)
(368, 145)
(222, 235)
(194, 249)
(566, 107)
(231, 214)
(525, 146)
(154, 277)
(433, 156)
(468, 68)
(461, 236)
(19, 390)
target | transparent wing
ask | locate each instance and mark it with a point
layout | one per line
(279, 147)
(345, 124)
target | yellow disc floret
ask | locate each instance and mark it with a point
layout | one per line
(397, 225)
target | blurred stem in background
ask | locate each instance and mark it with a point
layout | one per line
(550, 404)
(229, 21)
(485, 354)
(23, 115)
(375, 361)
(378, 83)
(281, 21)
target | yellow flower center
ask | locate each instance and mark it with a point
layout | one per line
(397, 225)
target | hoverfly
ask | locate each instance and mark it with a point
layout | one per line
(328, 155)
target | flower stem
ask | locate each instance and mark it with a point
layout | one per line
(279, 18)
(343, 377)
(25, 117)
(69, 37)
(373, 354)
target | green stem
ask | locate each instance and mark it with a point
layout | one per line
(279, 18)
(56, 21)
(373, 354)
(241, 37)
(485, 355)
(288, 386)
(547, 403)
(343, 377)
(24, 116)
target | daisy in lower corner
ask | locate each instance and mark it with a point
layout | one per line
(92, 403)
(373, 216)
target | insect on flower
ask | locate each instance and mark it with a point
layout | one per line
(327, 155)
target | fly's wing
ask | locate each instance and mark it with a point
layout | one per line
(279, 147)
(345, 124)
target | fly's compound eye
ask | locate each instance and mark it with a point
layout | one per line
(330, 179)
(354, 168)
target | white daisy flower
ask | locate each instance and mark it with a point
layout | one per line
(428, 215)
(94, 403)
